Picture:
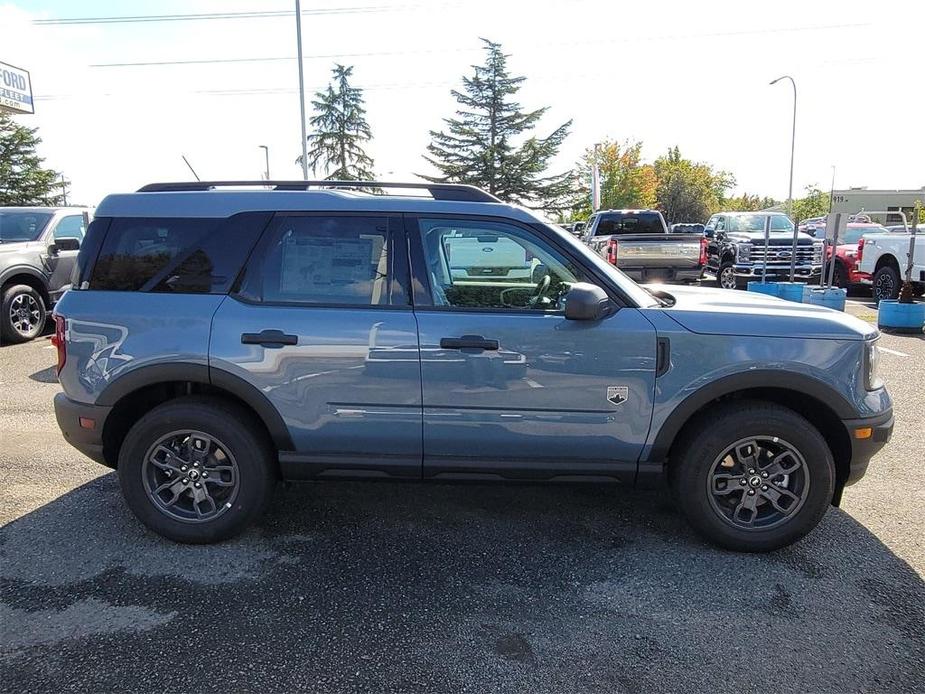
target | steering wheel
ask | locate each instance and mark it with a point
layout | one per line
(540, 291)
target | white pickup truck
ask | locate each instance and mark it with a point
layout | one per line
(884, 257)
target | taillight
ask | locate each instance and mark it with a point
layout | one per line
(612, 247)
(58, 341)
(860, 248)
(703, 250)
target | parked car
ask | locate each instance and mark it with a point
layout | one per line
(638, 243)
(884, 257)
(687, 228)
(812, 226)
(216, 340)
(735, 251)
(38, 249)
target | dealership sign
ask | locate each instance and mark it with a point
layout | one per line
(15, 90)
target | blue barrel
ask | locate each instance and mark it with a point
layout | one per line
(897, 317)
(791, 291)
(769, 288)
(832, 297)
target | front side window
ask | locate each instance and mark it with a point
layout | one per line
(70, 227)
(493, 265)
(322, 260)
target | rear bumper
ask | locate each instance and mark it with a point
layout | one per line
(662, 274)
(87, 441)
(863, 449)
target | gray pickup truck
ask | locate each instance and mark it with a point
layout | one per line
(38, 250)
(638, 243)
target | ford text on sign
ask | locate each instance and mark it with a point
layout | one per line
(15, 90)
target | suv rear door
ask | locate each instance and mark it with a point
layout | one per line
(321, 323)
(512, 389)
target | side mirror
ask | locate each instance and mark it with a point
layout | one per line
(708, 233)
(586, 302)
(65, 244)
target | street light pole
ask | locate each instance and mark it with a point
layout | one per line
(298, 33)
(793, 141)
(266, 151)
(596, 181)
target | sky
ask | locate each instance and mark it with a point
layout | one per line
(691, 74)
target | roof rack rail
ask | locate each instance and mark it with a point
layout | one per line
(457, 192)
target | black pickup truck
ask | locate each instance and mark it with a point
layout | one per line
(639, 243)
(735, 249)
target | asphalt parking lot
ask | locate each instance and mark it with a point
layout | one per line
(363, 587)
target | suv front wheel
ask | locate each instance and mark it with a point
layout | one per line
(758, 478)
(23, 314)
(196, 470)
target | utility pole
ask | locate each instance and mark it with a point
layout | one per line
(793, 141)
(595, 181)
(266, 152)
(298, 34)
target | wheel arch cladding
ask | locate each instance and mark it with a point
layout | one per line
(29, 277)
(142, 389)
(821, 405)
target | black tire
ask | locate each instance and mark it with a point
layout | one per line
(232, 428)
(725, 277)
(840, 276)
(30, 317)
(887, 283)
(701, 451)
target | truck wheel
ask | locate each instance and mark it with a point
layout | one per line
(726, 277)
(886, 283)
(758, 478)
(23, 314)
(840, 276)
(196, 470)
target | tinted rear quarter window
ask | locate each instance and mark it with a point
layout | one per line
(176, 255)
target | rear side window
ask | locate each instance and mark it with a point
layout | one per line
(343, 260)
(644, 223)
(175, 255)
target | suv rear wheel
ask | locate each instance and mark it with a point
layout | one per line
(758, 478)
(196, 470)
(23, 314)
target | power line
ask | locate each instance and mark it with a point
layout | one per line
(208, 16)
(545, 45)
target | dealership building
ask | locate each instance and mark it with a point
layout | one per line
(855, 200)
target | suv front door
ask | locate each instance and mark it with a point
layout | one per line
(511, 388)
(60, 263)
(322, 325)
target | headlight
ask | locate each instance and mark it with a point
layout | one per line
(872, 365)
(744, 251)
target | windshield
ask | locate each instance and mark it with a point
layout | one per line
(22, 225)
(755, 222)
(633, 291)
(854, 234)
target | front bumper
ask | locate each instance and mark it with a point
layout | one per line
(88, 441)
(863, 449)
(803, 272)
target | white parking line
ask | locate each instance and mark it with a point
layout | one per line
(893, 351)
(533, 384)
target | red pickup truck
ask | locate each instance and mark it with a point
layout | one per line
(846, 254)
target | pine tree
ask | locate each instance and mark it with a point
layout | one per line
(341, 131)
(23, 181)
(480, 145)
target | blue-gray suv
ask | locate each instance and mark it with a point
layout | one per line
(219, 336)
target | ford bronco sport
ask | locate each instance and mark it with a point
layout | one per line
(219, 338)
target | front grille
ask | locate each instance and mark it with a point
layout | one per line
(782, 254)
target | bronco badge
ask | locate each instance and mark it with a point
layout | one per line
(617, 395)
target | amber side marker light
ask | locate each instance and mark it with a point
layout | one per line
(863, 433)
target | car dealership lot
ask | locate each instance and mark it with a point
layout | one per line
(364, 587)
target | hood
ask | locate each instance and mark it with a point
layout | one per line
(14, 246)
(775, 238)
(708, 311)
